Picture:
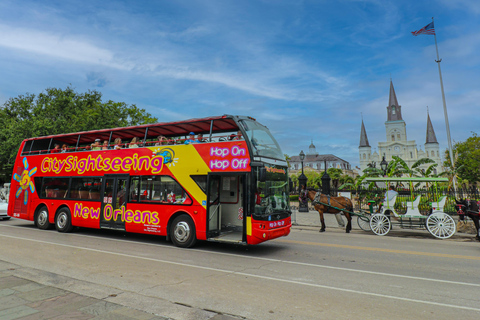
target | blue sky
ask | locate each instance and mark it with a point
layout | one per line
(306, 69)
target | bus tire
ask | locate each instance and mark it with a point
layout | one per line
(41, 219)
(63, 220)
(182, 231)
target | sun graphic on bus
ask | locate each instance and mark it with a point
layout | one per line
(25, 181)
(168, 155)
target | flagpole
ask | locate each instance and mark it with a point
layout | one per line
(445, 113)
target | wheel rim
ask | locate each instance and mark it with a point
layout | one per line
(182, 232)
(441, 225)
(62, 220)
(42, 218)
(380, 224)
(364, 222)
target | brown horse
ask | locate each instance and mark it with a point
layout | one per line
(324, 204)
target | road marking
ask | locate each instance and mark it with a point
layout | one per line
(320, 266)
(252, 275)
(417, 253)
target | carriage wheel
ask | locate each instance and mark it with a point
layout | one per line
(441, 225)
(363, 222)
(380, 224)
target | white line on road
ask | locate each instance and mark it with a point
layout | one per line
(278, 260)
(252, 275)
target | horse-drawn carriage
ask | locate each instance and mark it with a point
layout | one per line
(440, 224)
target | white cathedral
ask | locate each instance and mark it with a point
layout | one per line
(397, 143)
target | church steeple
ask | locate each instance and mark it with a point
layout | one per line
(363, 137)
(431, 137)
(394, 110)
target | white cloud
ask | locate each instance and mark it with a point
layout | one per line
(56, 46)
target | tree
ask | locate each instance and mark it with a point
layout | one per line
(57, 111)
(467, 163)
(415, 170)
(335, 174)
(287, 158)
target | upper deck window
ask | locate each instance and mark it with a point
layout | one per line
(264, 144)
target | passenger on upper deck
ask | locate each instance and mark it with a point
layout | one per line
(118, 144)
(237, 136)
(64, 148)
(105, 145)
(56, 149)
(161, 140)
(191, 138)
(133, 143)
(96, 145)
(200, 138)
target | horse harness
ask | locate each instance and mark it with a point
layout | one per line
(316, 200)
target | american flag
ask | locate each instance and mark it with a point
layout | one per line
(428, 29)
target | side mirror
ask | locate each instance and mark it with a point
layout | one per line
(262, 174)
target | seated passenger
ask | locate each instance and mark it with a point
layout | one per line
(96, 145)
(118, 144)
(64, 148)
(237, 136)
(191, 138)
(200, 138)
(171, 197)
(105, 145)
(133, 143)
(56, 149)
(161, 140)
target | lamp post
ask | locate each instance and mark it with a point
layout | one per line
(302, 181)
(384, 166)
(326, 180)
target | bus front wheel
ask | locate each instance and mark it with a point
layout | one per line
(182, 231)
(63, 221)
(41, 219)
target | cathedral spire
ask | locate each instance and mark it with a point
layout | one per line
(394, 109)
(363, 137)
(431, 138)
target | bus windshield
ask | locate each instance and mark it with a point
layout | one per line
(264, 144)
(272, 194)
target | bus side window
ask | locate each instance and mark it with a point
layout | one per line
(134, 184)
(162, 189)
(54, 187)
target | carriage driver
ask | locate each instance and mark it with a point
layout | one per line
(389, 195)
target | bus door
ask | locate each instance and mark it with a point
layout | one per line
(226, 200)
(114, 197)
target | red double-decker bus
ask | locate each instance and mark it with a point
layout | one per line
(220, 179)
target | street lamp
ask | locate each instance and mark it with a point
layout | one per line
(384, 165)
(302, 181)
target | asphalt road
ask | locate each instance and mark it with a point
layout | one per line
(307, 275)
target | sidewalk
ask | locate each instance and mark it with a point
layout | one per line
(31, 294)
(312, 219)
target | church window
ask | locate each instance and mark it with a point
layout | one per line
(411, 154)
(438, 154)
(398, 136)
(433, 153)
(364, 156)
(393, 110)
(393, 137)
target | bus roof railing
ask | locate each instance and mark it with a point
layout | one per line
(223, 123)
(406, 179)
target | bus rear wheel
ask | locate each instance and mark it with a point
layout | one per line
(63, 221)
(182, 231)
(41, 219)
